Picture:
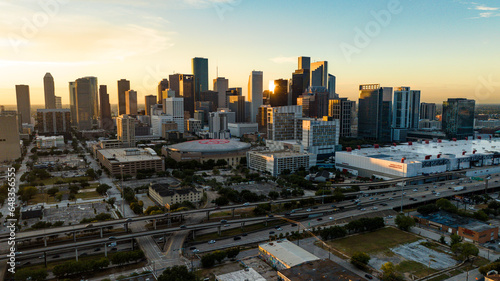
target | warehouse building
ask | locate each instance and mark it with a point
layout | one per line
(415, 159)
(247, 274)
(318, 270)
(284, 254)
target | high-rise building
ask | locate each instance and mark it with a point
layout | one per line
(175, 108)
(10, 148)
(458, 118)
(106, 122)
(344, 110)
(72, 103)
(283, 122)
(332, 84)
(237, 105)
(123, 86)
(131, 102)
(200, 72)
(255, 89)
(217, 124)
(58, 102)
(87, 103)
(212, 97)
(279, 96)
(262, 118)
(305, 63)
(428, 111)
(23, 103)
(374, 112)
(300, 83)
(319, 74)
(221, 85)
(53, 121)
(320, 136)
(185, 89)
(405, 112)
(162, 86)
(174, 81)
(148, 102)
(48, 87)
(314, 102)
(125, 129)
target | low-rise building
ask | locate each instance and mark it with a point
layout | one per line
(470, 230)
(165, 196)
(129, 160)
(240, 129)
(318, 270)
(284, 254)
(247, 274)
(275, 162)
(49, 142)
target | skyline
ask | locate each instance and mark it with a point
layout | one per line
(448, 50)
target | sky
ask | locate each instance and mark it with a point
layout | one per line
(447, 48)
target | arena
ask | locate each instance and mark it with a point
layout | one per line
(421, 158)
(208, 149)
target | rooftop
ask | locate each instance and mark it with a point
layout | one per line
(320, 270)
(127, 155)
(248, 274)
(417, 152)
(210, 145)
(454, 221)
(280, 154)
(163, 190)
(287, 252)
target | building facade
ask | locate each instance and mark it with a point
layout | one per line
(374, 112)
(166, 197)
(276, 162)
(320, 136)
(129, 160)
(255, 89)
(458, 118)
(345, 111)
(10, 147)
(53, 121)
(123, 86)
(87, 103)
(283, 122)
(48, 88)
(405, 112)
(125, 127)
(428, 111)
(23, 103)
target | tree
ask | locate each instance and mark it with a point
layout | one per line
(489, 267)
(91, 173)
(404, 223)
(52, 191)
(455, 239)
(208, 260)
(221, 201)
(465, 251)
(233, 252)
(273, 195)
(446, 205)
(389, 272)
(442, 240)
(177, 273)
(27, 193)
(219, 255)
(31, 274)
(427, 209)
(102, 188)
(360, 260)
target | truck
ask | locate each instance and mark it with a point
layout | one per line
(458, 188)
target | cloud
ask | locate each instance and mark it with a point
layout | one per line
(484, 8)
(484, 11)
(284, 59)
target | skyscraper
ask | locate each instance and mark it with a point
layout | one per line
(72, 103)
(374, 112)
(300, 82)
(221, 85)
(87, 103)
(48, 87)
(237, 105)
(174, 81)
(23, 103)
(58, 102)
(53, 121)
(131, 102)
(10, 149)
(405, 112)
(305, 63)
(332, 81)
(314, 102)
(106, 123)
(279, 97)
(212, 97)
(428, 111)
(458, 118)
(217, 124)
(319, 74)
(200, 72)
(284, 122)
(186, 90)
(255, 89)
(123, 86)
(344, 110)
(125, 129)
(148, 102)
(162, 86)
(175, 107)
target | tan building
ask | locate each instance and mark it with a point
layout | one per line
(148, 102)
(10, 147)
(53, 121)
(23, 103)
(129, 160)
(131, 102)
(125, 129)
(166, 197)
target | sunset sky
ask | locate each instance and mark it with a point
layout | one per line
(446, 48)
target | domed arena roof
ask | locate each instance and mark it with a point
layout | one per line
(210, 146)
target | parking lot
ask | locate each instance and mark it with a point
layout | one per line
(75, 213)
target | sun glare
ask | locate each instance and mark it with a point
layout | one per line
(271, 86)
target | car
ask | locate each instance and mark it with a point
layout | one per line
(415, 190)
(383, 195)
(449, 187)
(111, 238)
(391, 198)
(404, 193)
(371, 198)
(330, 218)
(319, 219)
(182, 226)
(236, 238)
(368, 276)
(211, 242)
(389, 217)
(246, 204)
(276, 227)
(374, 208)
(271, 232)
(423, 196)
(89, 225)
(270, 216)
(223, 221)
(293, 224)
(196, 251)
(192, 248)
(129, 220)
(383, 204)
(244, 234)
(394, 193)
(333, 206)
(363, 209)
(97, 249)
(56, 256)
(315, 207)
(41, 257)
(226, 225)
(308, 210)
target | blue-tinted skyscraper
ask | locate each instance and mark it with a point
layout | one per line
(374, 113)
(458, 118)
(200, 72)
(405, 112)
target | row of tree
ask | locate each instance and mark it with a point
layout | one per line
(355, 226)
(445, 205)
(209, 260)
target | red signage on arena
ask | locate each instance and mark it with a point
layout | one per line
(213, 141)
(395, 166)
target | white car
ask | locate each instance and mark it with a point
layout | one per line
(330, 218)
(246, 204)
(308, 210)
(279, 229)
(196, 251)
(415, 190)
(211, 242)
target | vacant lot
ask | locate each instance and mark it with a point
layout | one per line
(380, 240)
